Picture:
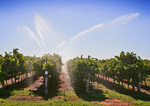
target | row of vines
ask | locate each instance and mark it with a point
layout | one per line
(127, 67)
(14, 64)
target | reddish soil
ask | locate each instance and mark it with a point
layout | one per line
(32, 87)
(65, 84)
(114, 102)
(26, 98)
(58, 97)
(36, 84)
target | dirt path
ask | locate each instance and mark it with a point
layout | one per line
(25, 98)
(36, 84)
(32, 87)
(65, 84)
(114, 102)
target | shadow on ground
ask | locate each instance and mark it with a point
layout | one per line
(143, 86)
(6, 91)
(93, 95)
(120, 89)
(53, 87)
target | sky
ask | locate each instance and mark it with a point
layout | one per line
(100, 28)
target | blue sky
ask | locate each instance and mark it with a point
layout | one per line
(100, 28)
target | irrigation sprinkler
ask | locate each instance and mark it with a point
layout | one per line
(46, 82)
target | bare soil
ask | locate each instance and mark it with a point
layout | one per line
(25, 98)
(36, 84)
(65, 84)
(32, 87)
(114, 102)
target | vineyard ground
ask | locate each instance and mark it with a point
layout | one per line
(101, 95)
(144, 89)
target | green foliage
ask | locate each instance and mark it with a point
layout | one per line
(125, 67)
(38, 67)
(14, 64)
(11, 92)
(54, 102)
(49, 66)
(29, 63)
(24, 92)
(79, 69)
(1, 62)
(11, 65)
(51, 63)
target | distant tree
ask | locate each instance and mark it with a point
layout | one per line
(1, 73)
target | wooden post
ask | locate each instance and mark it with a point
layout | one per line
(87, 83)
(139, 84)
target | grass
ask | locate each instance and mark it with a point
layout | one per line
(68, 96)
(71, 99)
(24, 92)
(126, 98)
(62, 98)
(58, 102)
(115, 95)
(18, 88)
(135, 98)
(5, 93)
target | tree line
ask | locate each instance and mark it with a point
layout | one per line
(15, 64)
(127, 67)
